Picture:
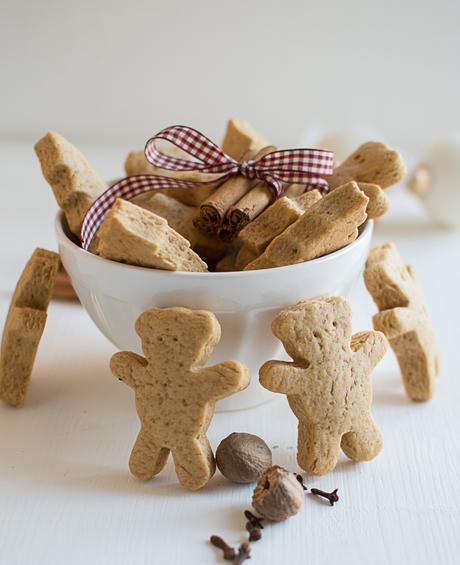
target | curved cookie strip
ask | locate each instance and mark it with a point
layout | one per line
(328, 225)
(175, 395)
(74, 182)
(404, 319)
(130, 234)
(328, 386)
(25, 324)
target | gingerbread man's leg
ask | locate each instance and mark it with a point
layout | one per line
(147, 457)
(364, 443)
(194, 463)
(318, 449)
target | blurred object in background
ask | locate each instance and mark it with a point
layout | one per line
(436, 181)
(63, 289)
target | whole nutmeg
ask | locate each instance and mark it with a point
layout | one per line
(278, 494)
(242, 458)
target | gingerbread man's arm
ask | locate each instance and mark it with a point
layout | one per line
(128, 367)
(370, 346)
(283, 377)
(223, 379)
(396, 321)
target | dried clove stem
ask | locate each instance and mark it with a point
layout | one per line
(229, 553)
(331, 496)
(254, 520)
(300, 479)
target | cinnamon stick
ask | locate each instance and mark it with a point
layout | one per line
(214, 208)
(248, 207)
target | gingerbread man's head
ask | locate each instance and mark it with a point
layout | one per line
(306, 328)
(167, 340)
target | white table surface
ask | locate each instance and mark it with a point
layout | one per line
(66, 495)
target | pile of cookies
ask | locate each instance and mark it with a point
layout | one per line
(328, 383)
(231, 226)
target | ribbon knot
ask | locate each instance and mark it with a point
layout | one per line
(246, 168)
(302, 166)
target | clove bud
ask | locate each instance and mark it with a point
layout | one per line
(254, 520)
(331, 496)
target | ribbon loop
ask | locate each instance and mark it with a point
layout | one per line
(303, 166)
(211, 159)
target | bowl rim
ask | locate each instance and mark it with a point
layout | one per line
(62, 237)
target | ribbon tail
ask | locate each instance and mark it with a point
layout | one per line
(128, 188)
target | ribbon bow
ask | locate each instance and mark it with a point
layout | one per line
(304, 166)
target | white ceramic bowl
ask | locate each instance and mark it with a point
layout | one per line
(245, 303)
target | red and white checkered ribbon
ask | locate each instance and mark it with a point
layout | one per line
(303, 166)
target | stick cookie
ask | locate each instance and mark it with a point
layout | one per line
(328, 385)
(240, 137)
(328, 225)
(74, 182)
(181, 218)
(24, 325)
(373, 162)
(274, 220)
(132, 235)
(404, 319)
(378, 200)
(175, 395)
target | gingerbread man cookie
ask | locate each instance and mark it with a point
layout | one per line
(175, 395)
(403, 318)
(328, 385)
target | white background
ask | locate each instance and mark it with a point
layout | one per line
(107, 74)
(115, 70)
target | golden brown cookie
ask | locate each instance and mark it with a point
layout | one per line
(180, 217)
(378, 200)
(328, 225)
(74, 182)
(241, 137)
(373, 162)
(24, 325)
(404, 319)
(272, 222)
(130, 234)
(175, 394)
(328, 384)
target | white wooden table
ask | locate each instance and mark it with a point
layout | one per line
(66, 495)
